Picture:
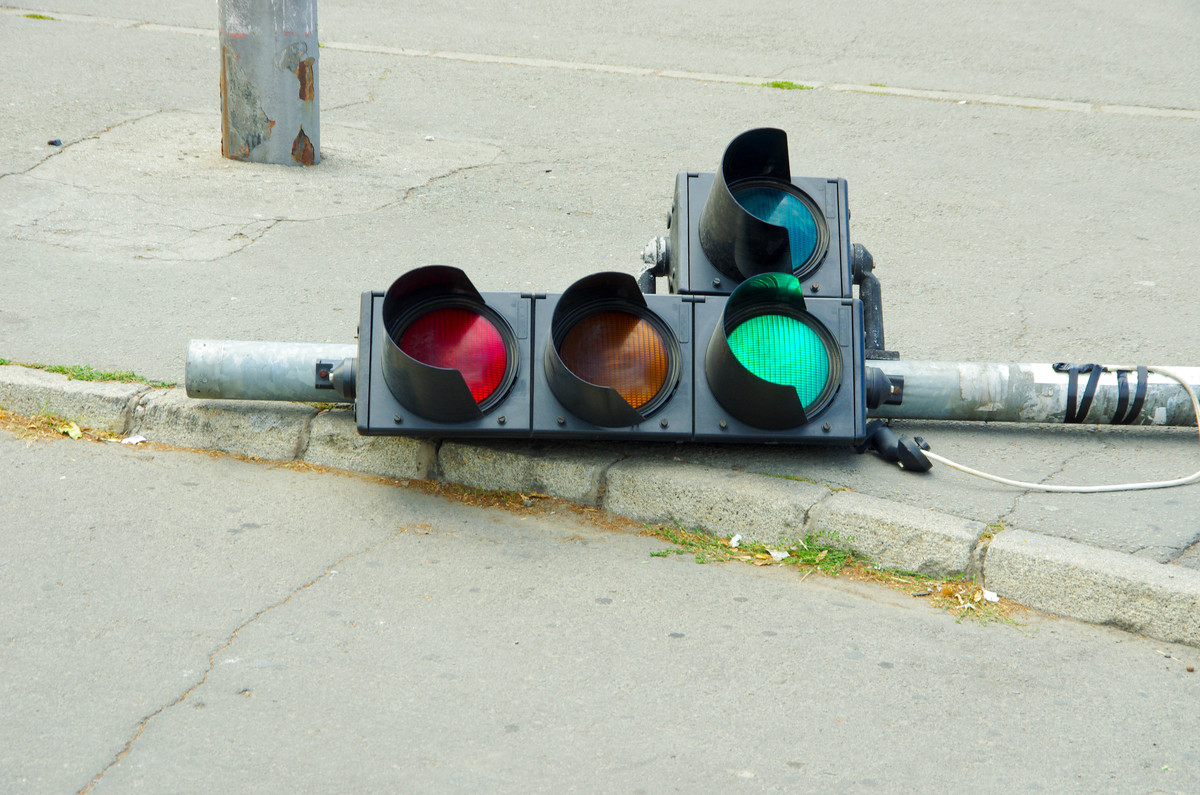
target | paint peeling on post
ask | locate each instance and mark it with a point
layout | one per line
(270, 108)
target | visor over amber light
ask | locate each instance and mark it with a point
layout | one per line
(448, 356)
(609, 359)
(769, 362)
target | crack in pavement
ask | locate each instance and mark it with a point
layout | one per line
(144, 722)
(58, 150)
(429, 183)
(1026, 492)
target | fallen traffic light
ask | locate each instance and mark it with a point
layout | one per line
(760, 340)
(601, 360)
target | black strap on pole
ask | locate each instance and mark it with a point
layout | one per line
(1077, 413)
(1120, 417)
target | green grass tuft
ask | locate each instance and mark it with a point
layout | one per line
(84, 372)
(814, 551)
(786, 85)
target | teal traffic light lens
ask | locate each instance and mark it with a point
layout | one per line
(806, 235)
(784, 350)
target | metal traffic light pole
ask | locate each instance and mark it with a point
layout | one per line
(270, 109)
(957, 391)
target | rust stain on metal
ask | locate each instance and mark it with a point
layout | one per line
(244, 126)
(302, 149)
(224, 112)
(304, 72)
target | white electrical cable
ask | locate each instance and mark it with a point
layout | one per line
(1159, 484)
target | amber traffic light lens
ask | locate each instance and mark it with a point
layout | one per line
(621, 351)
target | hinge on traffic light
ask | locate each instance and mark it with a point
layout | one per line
(862, 267)
(658, 261)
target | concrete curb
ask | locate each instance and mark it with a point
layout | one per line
(106, 406)
(1050, 574)
(717, 501)
(1096, 585)
(897, 536)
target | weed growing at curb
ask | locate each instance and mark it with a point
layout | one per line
(786, 85)
(814, 551)
(38, 16)
(958, 595)
(83, 372)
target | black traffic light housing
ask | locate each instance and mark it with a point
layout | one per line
(437, 307)
(636, 349)
(760, 340)
(716, 241)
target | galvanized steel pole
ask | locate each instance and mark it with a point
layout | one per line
(961, 391)
(270, 108)
(304, 372)
(989, 392)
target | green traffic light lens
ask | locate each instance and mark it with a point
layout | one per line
(784, 350)
(782, 208)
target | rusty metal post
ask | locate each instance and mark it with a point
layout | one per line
(270, 109)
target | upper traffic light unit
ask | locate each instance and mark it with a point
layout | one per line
(752, 216)
(760, 340)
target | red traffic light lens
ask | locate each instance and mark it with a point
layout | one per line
(621, 351)
(459, 339)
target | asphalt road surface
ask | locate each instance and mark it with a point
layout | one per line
(177, 622)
